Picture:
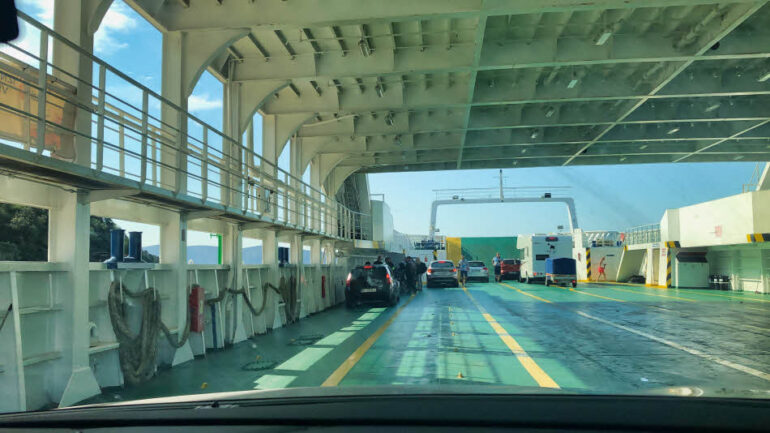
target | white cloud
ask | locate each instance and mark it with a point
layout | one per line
(42, 10)
(118, 19)
(202, 103)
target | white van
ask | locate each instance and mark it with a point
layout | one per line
(534, 249)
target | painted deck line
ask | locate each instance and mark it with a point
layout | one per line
(336, 377)
(737, 295)
(529, 364)
(695, 352)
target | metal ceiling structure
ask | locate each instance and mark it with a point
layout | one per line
(388, 86)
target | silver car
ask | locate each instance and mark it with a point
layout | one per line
(442, 273)
(478, 271)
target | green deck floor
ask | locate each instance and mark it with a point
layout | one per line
(598, 338)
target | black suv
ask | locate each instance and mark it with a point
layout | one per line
(371, 283)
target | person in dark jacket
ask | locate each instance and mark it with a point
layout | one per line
(411, 274)
(421, 269)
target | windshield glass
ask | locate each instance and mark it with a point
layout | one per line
(216, 196)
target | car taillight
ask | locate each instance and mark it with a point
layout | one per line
(485, 268)
(368, 267)
(573, 281)
(535, 273)
(454, 269)
(430, 271)
(350, 277)
(387, 277)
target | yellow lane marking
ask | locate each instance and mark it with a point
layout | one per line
(596, 296)
(529, 364)
(335, 378)
(528, 294)
(734, 298)
(653, 294)
(698, 353)
(693, 294)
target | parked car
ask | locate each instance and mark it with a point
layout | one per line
(371, 284)
(442, 273)
(478, 271)
(510, 269)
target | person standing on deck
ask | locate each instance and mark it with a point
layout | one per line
(497, 261)
(601, 269)
(464, 267)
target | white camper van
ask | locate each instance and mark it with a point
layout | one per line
(534, 249)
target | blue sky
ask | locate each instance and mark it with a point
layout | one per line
(607, 197)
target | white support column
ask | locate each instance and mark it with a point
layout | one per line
(173, 250)
(232, 255)
(231, 122)
(68, 242)
(296, 207)
(764, 179)
(173, 88)
(78, 20)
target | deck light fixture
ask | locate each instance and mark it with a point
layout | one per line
(603, 37)
(366, 50)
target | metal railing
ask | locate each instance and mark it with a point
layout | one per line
(132, 132)
(643, 234)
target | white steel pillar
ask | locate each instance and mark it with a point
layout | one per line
(173, 250)
(173, 88)
(232, 255)
(315, 182)
(78, 20)
(68, 243)
(764, 179)
(297, 204)
(234, 186)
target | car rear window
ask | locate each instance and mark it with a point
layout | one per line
(510, 262)
(476, 264)
(442, 264)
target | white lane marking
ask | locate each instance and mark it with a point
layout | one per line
(718, 360)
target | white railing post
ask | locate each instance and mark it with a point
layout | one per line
(42, 84)
(145, 114)
(205, 165)
(100, 119)
(122, 146)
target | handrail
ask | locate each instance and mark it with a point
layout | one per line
(240, 177)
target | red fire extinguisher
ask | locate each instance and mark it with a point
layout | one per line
(323, 286)
(196, 301)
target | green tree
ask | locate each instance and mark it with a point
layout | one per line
(25, 237)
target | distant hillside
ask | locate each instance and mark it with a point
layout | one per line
(207, 255)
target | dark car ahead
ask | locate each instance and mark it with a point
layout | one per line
(442, 273)
(371, 284)
(510, 269)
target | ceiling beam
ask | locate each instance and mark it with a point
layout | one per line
(174, 16)
(262, 51)
(730, 19)
(340, 41)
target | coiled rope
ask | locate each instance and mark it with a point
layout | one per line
(138, 353)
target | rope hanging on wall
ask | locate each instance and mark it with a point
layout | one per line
(138, 353)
